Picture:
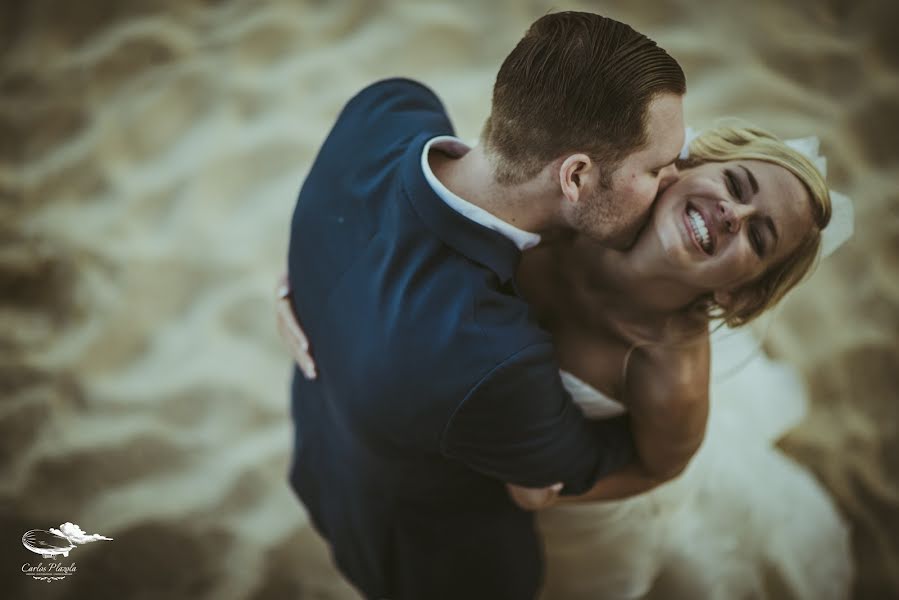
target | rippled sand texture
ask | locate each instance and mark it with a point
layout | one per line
(149, 160)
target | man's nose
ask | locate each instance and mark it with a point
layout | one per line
(732, 214)
(667, 176)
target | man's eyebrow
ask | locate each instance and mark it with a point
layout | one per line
(752, 180)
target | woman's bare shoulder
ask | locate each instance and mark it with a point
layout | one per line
(673, 374)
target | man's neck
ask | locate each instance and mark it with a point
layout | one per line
(529, 206)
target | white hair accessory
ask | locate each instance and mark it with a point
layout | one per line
(842, 223)
(842, 213)
(842, 217)
(690, 134)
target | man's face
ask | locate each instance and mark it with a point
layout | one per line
(615, 214)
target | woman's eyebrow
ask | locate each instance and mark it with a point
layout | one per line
(752, 180)
(768, 221)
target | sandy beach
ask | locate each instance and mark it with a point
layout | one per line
(150, 157)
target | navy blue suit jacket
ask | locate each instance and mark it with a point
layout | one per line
(435, 383)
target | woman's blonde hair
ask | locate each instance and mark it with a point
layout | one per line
(729, 143)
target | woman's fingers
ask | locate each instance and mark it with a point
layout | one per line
(290, 331)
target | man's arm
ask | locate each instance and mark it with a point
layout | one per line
(520, 425)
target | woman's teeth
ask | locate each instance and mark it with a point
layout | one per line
(699, 229)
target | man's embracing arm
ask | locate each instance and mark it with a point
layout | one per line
(520, 425)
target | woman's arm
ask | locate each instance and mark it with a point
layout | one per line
(667, 394)
(290, 331)
(666, 391)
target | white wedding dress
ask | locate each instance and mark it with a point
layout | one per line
(743, 521)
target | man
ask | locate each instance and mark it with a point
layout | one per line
(435, 385)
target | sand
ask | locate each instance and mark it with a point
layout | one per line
(150, 155)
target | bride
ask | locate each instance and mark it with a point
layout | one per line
(739, 229)
(734, 518)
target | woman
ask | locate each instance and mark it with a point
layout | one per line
(739, 229)
(728, 240)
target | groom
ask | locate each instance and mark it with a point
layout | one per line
(435, 385)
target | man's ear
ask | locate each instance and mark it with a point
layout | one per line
(572, 175)
(723, 299)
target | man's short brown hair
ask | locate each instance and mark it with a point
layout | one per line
(576, 82)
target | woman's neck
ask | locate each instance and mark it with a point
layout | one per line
(612, 290)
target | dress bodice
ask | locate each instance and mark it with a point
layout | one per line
(594, 403)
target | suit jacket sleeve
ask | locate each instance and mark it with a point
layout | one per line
(520, 425)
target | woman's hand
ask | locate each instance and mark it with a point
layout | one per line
(291, 332)
(534, 498)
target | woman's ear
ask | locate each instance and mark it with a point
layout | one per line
(572, 173)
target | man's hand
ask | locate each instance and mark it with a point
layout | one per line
(534, 498)
(291, 332)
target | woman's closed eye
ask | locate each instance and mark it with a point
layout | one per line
(755, 239)
(732, 182)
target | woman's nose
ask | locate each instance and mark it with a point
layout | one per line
(732, 214)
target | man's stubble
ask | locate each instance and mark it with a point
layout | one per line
(605, 217)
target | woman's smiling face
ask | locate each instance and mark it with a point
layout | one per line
(723, 224)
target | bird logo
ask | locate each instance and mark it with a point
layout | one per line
(56, 542)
